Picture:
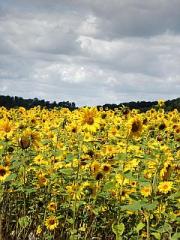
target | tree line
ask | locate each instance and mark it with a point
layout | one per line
(14, 102)
(143, 106)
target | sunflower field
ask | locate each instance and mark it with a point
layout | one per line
(89, 174)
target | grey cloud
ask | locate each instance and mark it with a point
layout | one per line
(90, 52)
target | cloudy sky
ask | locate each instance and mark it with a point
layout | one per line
(90, 51)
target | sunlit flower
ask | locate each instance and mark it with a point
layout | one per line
(135, 127)
(165, 187)
(52, 206)
(51, 223)
(146, 191)
(4, 172)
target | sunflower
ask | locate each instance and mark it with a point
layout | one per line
(90, 121)
(146, 191)
(165, 187)
(135, 127)
(24, 142)
(52, 206)
(4, 172)
(88, 189)
(95, 166)
(38, 230)
(73, 190)
(42, 180)
(5, 126)
(106, 168)
(51, 222)
(161, 103)
(39, 160)
(99, 175)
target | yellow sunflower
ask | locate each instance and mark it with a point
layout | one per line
(146, 191)
(4, 172)
(135, 127)
(51, 223)
(95, 167)
(106, 168)
(90, 120)
(52, 206)
(165, 187)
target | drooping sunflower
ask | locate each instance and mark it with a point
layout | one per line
(51, 223)
(4, 172)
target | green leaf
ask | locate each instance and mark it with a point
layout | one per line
(70, 220)
(11, 177)
(174, 195)
(108, 186)
(24, 221)
(136, 206)
(175, 236)
(118, 230)
(165, 228)
(30, 190)
(130, 176)
(67, 171)
(156, 235)
(150, 206)
(140, 226)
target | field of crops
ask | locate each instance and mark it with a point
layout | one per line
(89, 174)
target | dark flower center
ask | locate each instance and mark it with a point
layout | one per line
(2, 172)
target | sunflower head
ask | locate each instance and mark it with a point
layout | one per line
(51, 223)
(161, 103)
(146, 191)
(52, 206)
(99, 175)
(24, 142)
(95, 167)
(135, 128)
(165, 187)
(5, 126)
(4, 172)
(88, 189)
(106, 168)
